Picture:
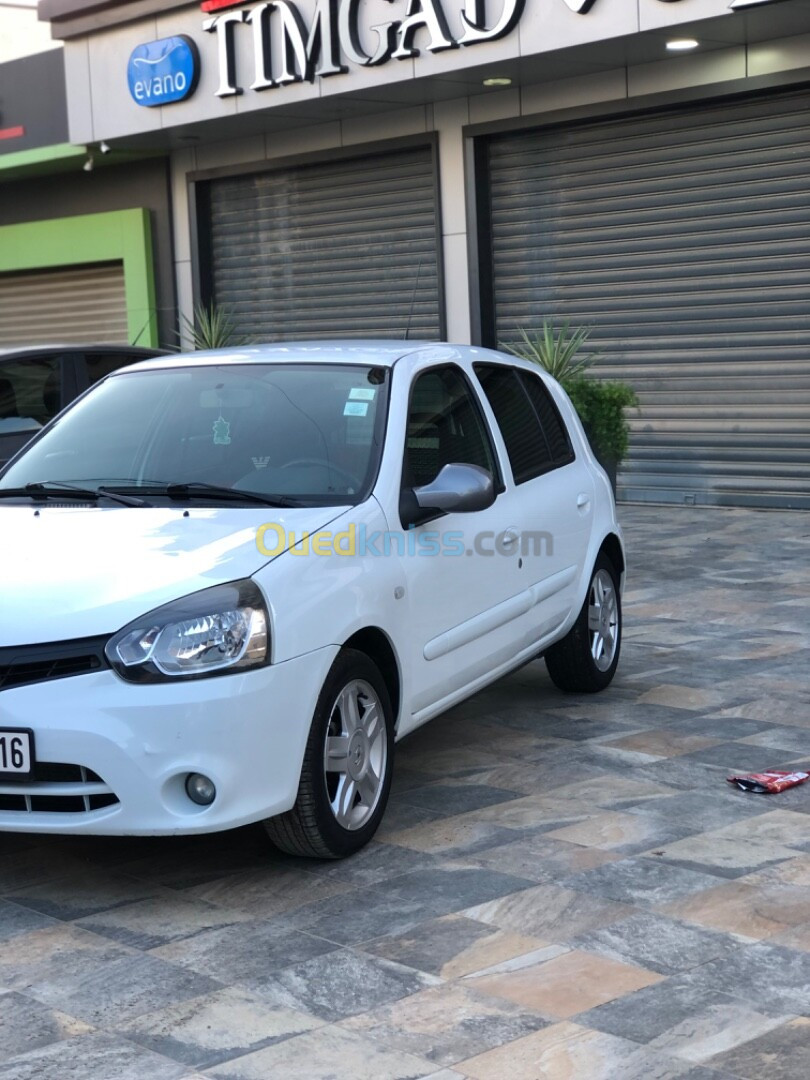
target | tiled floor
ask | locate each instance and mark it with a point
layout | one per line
(564, 888)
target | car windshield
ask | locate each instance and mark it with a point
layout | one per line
(308, 433)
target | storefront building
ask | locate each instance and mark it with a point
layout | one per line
(463, 169)
(84, 236)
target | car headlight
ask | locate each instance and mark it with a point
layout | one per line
(212, 632)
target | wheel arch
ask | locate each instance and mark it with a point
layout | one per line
(377, 646)
(612, 547)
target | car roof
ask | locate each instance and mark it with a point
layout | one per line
(8, 351)
(382, 352)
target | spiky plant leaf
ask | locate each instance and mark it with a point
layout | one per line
(212, 327)
(556, 351)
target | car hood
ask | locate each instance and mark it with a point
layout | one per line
(71, 572)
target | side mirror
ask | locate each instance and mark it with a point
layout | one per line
(458, 488)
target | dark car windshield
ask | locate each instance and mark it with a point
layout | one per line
(310, 432)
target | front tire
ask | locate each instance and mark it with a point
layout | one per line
(585, 660)
(346, 775)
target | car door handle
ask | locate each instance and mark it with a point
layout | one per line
(583, 500)
(510, 537)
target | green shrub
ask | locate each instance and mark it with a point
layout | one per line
(601, 408)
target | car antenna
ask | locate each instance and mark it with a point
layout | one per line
(413, 299)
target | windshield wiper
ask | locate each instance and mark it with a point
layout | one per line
(61, 489)
(197, 489)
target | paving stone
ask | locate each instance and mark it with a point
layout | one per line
(74, 898)
(541, 859)
(457, 798)
(780, 1054)
(700, 813)
(446, 1024)
(16, 920)
(770, 978)
(339, 984)
(729, 856)
(148, 924)
(461, 887)
(649, 1012)
(236, 953)
(661, 944)
(26, 1025)
(719, 1028)
(207, 1030)
(96, 1056)
(453, 946)
(549, 912)
(570, 1050)
(325, 1054)
(641, 881)
(754, 911)
(566, 984)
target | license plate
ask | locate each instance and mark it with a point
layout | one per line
(16, 752)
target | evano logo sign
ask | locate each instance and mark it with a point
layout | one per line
(160, 72)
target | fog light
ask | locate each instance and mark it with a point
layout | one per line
(200, 789)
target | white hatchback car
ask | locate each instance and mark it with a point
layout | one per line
(231, 580)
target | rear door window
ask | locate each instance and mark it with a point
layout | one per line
(534, 434)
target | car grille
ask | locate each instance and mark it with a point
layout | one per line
(25, 664)
(58, 788)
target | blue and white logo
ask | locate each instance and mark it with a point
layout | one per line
(164, 71)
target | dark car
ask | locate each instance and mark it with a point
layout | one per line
(37, 381)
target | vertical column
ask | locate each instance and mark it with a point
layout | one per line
(182, 163)
(450, 118)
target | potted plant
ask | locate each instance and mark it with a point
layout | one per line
(600, 403)
(212, 327)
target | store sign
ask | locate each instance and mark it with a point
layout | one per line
(160, 72)
(335, 32)
(165, 71)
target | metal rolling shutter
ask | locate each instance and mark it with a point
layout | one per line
(339, 249)
(683, 239)
(73, 305)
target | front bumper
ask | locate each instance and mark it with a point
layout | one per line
(247, 732)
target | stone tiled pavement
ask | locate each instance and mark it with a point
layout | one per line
(563, 887)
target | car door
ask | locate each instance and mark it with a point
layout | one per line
(462, 615)
(554, 493)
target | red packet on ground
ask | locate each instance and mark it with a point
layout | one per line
(768, 782)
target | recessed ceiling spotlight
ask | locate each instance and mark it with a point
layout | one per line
(682, 44)
(498, 80)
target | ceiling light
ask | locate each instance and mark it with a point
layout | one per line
(89, 163)
(682, 44)
(498, 80)
(104, 147)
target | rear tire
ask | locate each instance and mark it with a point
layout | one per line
(346, 775)
(585, 660)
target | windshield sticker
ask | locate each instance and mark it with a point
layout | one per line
(222, 431)
(361, 393)
(355, 408)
